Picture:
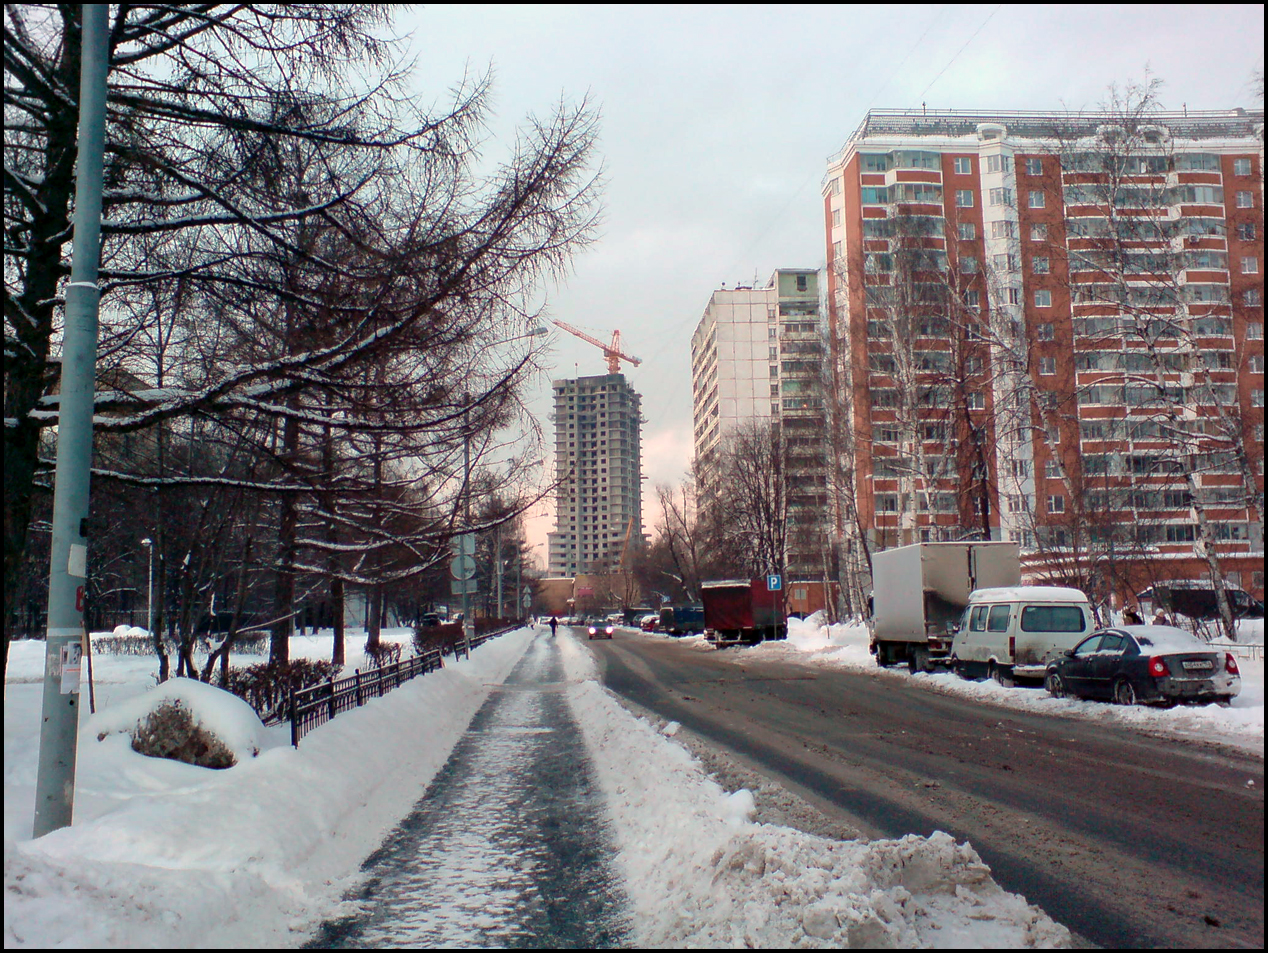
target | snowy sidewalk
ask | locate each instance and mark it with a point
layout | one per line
(509, 847)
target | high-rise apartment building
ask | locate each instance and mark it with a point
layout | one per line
(599, 507)
(1049, 328)
(757, 356)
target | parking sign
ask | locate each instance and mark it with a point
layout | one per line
(774, 583)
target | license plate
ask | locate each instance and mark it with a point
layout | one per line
(1198, 666)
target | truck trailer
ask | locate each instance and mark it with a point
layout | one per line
(919, 593)
(743, 611)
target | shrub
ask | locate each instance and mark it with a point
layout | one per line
(267, 687)
(169, 732)
(383, 654)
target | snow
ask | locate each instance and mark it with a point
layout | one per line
(700, 872)
(845, 645)
(222, 714)
(167, 854)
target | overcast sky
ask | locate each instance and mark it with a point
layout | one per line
(717, 123)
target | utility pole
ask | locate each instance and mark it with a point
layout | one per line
(468, 625)
(68, 565)
(497, 564)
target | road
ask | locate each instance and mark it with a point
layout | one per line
(1127, 839)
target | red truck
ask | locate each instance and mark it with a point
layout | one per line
(743, 611)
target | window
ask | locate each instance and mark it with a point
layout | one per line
(968, 231)
(1056, 503)
(1004, 262)
(972, 300)
(1246, 231)
(994, 163)
(1014, 296)
(836, 217)
(1046, 331)
(1043, 298)
(1021, 469)
(875, 163)
(1250, 266)
(1001, 196)
(964, 198)
(1036, 198)
(1001, 229)
(998, 619)
(1252, 298)
(968, 265)
(1034, 166)
(1241, 167)
(1047, 365)
(1039, 266)
(1254, 330)
(1038, 233)
(1245, 199)
(801, 282)
(977, 400)
(1052, 619)
(964, 166)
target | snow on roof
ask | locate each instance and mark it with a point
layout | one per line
(1028, 594)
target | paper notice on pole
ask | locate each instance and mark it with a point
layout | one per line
(77, 564)
(72, 657)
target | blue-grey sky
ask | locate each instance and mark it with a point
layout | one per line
(717, 123)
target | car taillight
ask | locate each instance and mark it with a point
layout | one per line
(1230, 664)
(1158, 667)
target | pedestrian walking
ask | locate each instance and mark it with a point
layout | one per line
(1132, 617)
(553, 624)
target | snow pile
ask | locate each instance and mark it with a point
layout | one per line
(221, 714)
(699, 872)
(164, 854)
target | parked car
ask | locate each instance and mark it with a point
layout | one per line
(1014, 632)
(649, 622)
(600, 629)
(1132, 664)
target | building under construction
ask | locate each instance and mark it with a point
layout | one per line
(598, 462)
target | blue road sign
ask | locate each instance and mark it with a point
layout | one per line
(774, 583)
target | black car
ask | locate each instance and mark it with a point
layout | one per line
(599, 629)
(1144, 663)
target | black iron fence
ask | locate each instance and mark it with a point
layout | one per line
(313, 707)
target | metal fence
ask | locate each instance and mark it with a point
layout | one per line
(312, 707)
(1246, 650)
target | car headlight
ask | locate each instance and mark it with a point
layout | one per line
(593, 630)
(609, 630)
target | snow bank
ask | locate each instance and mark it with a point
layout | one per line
(164, 854)
(226, 716)
(846, 646)
(700, 873)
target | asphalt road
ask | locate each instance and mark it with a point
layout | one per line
(1127, 839)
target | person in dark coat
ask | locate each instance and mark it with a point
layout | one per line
(553, 624)
(1132, 617)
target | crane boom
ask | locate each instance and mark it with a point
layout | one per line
(612, 352)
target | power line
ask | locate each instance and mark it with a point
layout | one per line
(961, 50)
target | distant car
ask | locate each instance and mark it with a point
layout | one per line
(600, 629)
(1135, 664)
(648, 623)
(429, 620)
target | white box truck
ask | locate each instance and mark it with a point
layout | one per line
(919, 594)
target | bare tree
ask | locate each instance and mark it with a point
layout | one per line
(273, 231)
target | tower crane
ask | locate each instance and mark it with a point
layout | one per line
(612, 352)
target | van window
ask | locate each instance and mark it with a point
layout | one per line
(998, 621)
(1052, 619)
(979, 619)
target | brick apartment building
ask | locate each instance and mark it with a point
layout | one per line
(1048, 327)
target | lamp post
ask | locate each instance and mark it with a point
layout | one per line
(149, 595)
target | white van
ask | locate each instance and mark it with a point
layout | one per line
(1015, 631)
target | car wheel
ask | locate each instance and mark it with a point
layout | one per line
(1124, 692)
(1056, 687)
(997, 674)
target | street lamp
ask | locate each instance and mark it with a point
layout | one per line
(149, 597)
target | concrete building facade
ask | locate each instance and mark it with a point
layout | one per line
(757, 355)
(598, 461)
(1029, 305)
